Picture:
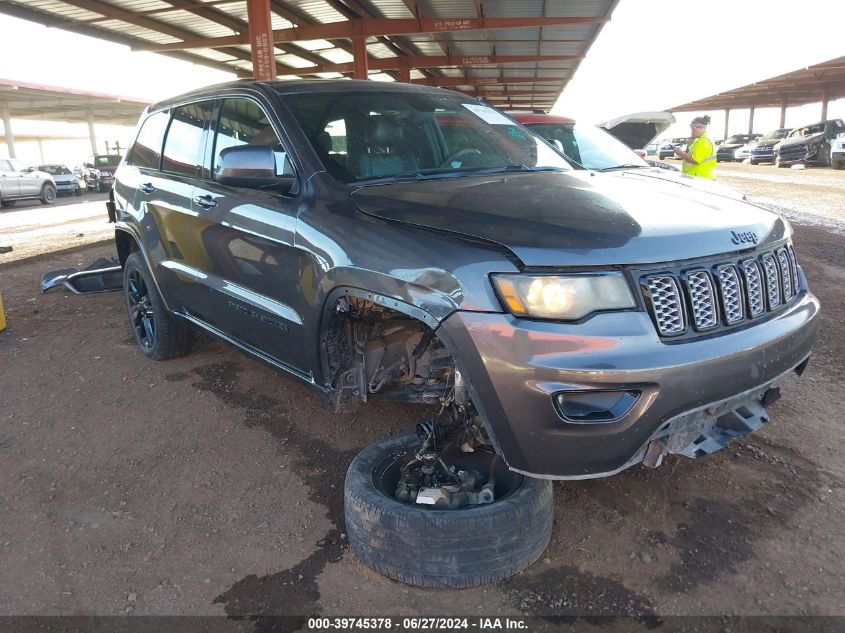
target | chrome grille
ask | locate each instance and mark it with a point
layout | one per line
(666, 304)
(753, 288)
(785, 273)
(703, 298)
(772, 282)
(720, 294)
(731, 294)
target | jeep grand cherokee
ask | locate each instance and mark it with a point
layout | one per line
(394, 241)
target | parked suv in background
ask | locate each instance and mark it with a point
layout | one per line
(764, 151)
(390, 241)
(666, 147)
(727, 150)
(66, 181)
(98, 171)
(20, 182)
(810, 144)
(837, 151)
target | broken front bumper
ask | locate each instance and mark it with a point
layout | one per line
(516, 369)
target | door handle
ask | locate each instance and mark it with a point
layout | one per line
(206, 201)
(147, 187)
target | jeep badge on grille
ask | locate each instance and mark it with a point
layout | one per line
(746, 237)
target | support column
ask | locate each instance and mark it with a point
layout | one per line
(91, 134)
(727, 118)
(261, 40)
(825, 99)
(41, 151)
(359, 53)
(7, 128)
(405, 75)
(751, 120)
(782, 113)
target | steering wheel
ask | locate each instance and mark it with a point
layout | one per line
(466, 151)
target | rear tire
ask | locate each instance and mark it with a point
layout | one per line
(461, 547)
(48, 194)
(158, 333)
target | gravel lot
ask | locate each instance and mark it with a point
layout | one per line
(212, 485)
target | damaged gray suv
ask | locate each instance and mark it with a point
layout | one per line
(388, 241)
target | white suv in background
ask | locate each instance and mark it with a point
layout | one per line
(19, 182)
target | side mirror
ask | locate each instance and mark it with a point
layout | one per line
(251, 166)
(28, 170)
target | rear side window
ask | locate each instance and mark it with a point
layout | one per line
(146, 151)
(184, 143)
(243, 122)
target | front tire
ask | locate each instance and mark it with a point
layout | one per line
(158, 333)
(461, 547)
(48, 194)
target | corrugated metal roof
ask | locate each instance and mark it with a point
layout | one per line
(142, 23)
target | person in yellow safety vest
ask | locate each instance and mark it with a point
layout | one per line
(700, 156)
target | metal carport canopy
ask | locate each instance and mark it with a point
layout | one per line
(22, 100)
(516, 54)
(813, 84)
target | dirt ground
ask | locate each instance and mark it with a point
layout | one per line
(212, 485)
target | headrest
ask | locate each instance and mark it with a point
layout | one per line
(385, 130)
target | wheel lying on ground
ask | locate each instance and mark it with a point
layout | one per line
(48, 194)
(422, 545)
(158, 333)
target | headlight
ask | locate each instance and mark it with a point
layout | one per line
(567, 298)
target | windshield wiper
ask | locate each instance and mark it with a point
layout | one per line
(623, 166)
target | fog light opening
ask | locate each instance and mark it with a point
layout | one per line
(596, 406)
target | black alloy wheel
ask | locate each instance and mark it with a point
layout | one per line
(141, 314)
(160, 335)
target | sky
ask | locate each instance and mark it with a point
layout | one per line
(652, 55)
(655, 54)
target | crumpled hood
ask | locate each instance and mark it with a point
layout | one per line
(769, 142)
(802, 140)
(576, 218)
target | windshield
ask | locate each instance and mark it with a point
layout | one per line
(105, 161)
(54, 170)
(737, 138)
(368, 135)
(777, 134)
(589, 146)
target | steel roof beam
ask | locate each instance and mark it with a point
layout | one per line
(481, 81)
(374, 27)
(436, 61)
(106, 35)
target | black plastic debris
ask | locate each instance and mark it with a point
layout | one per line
(102, 275)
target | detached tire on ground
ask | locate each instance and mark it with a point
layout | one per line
(159, 334)
(462, 547)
